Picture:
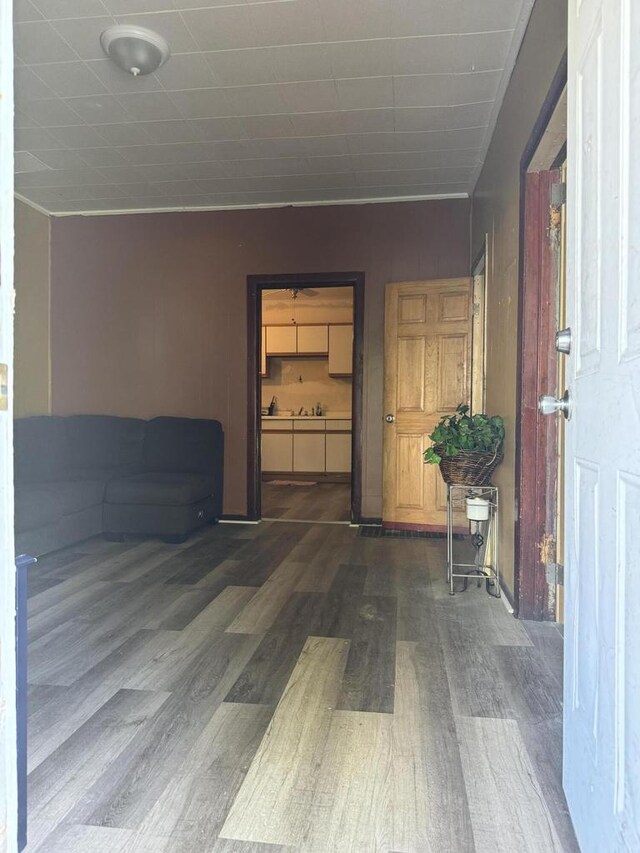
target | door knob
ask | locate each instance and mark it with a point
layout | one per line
(564, 339)
(390, 418)
(548, 405)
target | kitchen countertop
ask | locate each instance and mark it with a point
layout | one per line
(308, 417)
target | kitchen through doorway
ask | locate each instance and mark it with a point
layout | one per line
(307, 399)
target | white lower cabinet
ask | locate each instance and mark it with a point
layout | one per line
(308, 452)
(277, 451)
(338, 453)
(315, 446)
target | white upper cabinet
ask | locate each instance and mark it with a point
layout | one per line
(313, 340)
(336, 340)
(340, 350)
(281, 340)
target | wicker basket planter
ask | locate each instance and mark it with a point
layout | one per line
(469, 467)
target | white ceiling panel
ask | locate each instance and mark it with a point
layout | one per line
(261, 101)
(372, 58)
(170, 25)
(240, 67)
(222, 28)
(52, 113)
(150, 106)
(118, 83)
(123, 134)
(71, 79)
(56, 9)
(62, 158)
(299, 22)
(28, 86)
(24, 161)
(365, 93)
(451, 54)
(298, 62)
(24, 10)
(98, 109)
(82, 35)
(39, 42)
(446, 90)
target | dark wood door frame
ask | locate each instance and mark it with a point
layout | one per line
(536, 436)
(256, 284)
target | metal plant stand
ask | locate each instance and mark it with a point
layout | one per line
(481, 532)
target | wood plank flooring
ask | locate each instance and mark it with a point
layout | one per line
(286, 686)
(307, 502)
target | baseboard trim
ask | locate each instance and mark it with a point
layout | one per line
(237, 519)
(507, 598)
(438, 530)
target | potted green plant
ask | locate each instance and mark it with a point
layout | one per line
(468, 448)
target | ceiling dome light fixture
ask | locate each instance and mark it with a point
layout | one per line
(135, 49)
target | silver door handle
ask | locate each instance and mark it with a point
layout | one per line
(564, 339)
(548, 405)
(390, 418)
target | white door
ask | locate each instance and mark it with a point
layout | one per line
(8, 775)
(602, 645)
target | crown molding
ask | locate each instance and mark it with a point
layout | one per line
(266, 206)
(32, 204)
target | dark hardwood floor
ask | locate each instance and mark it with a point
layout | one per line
(307, 501)
(286, 687)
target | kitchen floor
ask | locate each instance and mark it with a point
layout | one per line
(303, 501)
(286, 687)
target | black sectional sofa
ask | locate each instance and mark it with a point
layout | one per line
(83, 475)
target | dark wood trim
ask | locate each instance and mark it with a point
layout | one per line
(256, 284)
(482, 253)
(561, 157)
(254, 355)
(554, 94)
(230, 516)
(529, 595)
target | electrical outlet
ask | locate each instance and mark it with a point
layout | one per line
(4, 387)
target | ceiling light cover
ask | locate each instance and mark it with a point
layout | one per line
(136, 50)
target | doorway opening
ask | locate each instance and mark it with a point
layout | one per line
(305, 337)
(539, 440)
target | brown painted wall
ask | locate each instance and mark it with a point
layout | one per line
(496, 212)
(32, 383)
(149, 311)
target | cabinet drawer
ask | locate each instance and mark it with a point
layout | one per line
(281, 340)
(338, 453)
(308, 452)
(313, 339)
(277, 452)
(308, 426)
(340, 426)
(270, 424)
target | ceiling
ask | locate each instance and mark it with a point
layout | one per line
(261, 103)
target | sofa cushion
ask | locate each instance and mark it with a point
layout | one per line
(159, 488)
(41, 450)
(105, 443)
(35, 506)
(76, 495)
(185, 445)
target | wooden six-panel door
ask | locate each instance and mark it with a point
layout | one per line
(427, 373)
